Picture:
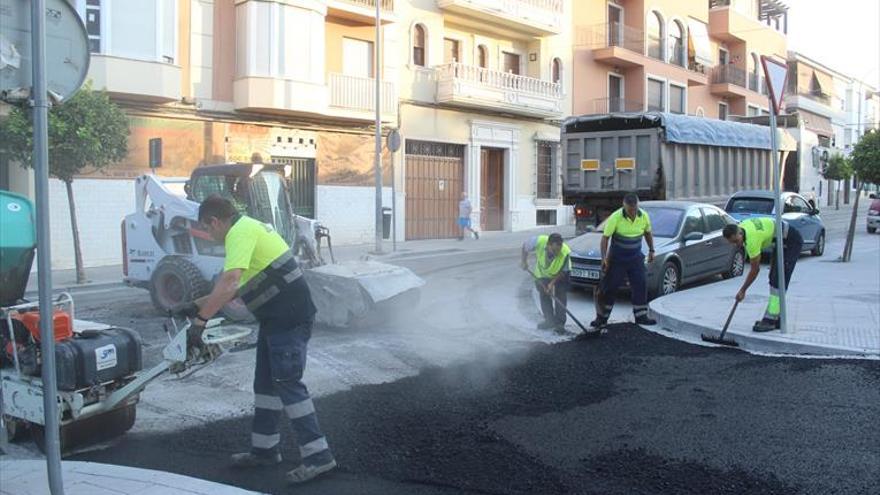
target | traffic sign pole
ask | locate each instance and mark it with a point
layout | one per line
(776, 76)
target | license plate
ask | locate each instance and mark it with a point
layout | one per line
(588, 274)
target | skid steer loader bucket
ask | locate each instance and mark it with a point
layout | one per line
(362, 292)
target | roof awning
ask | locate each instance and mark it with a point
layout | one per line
(817, 123)
(698, 43)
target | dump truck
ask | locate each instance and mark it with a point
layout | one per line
(167, 252)
(661, 156)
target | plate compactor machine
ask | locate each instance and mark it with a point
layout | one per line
(99, 368)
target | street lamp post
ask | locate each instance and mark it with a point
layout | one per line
(377, 165)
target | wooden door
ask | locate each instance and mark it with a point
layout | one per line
(434, 182)
(492, 189)
(511, 63)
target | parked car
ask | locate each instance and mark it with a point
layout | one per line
(688, 244)
(874, 214)
(797, 211)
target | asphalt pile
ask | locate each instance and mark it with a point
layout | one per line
(629, 413)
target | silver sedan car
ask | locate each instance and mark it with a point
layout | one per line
(688, 244)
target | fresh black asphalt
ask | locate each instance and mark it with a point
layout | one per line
(630, 413)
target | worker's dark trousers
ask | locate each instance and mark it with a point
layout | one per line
(278, 386)
(553, 311)
(631, 267)
(793, 244)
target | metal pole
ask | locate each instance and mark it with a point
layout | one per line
(44, 256)
(777, 204)
(394, 199)
(378, 158)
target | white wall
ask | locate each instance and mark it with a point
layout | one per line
(100, 206)
(349, 212)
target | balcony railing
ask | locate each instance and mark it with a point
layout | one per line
(613, 34)
(359, 94)
(387, 5)
(500, 80)
(616, 105)
(729, 74)
(467, 85)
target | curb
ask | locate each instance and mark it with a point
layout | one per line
(681, 329)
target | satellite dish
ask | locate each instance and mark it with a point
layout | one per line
(67, 50)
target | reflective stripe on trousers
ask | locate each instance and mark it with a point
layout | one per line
(278, 387)
(618, 268)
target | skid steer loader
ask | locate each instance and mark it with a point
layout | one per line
(165, 251)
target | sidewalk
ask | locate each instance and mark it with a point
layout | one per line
(833, 308)
(28, 477)
(111, 275)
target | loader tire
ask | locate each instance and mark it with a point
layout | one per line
(176, 280)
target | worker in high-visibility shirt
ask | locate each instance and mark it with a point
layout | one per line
(552, 276)
(758, 234)
(624, 231)
(260, 268)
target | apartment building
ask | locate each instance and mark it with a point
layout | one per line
(483, 84)
(221, 81)
(696, 57)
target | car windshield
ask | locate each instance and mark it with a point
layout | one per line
(761, 206)
(664, 221)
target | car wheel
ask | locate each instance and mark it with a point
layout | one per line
(737, 265)
(871, 230)
(819, 248)
(670, 279)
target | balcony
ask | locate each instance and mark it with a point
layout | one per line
(616, 105)
(280, 96)
(356, 96)
(527, 17)
(135, 79)
(729, 81)
(615, 44)
(362, 11)
(470, 86)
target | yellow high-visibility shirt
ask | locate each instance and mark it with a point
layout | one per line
(251, 246)
(620, 224)
(759, 234)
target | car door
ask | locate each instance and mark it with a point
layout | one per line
(718, 249)
(812, 224)
(693, 254)
(796, 216)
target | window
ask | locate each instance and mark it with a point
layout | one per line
(755, 76)
(451, 51)
(483, 56)
(700, 112)
(722, 111)
(615, 25)
(693, 222)
(556, 70)
(419, 45)
(714, 219)
(655, 36)
(656, 100)
(676, 44)
(677, 99)
(357, 57)
(753, 111)
(511, 63)
(93, 25)
(723, 56)
(544, 179)
(794, 204)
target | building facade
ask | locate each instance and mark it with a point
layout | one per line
(483, 86)
(695, 57)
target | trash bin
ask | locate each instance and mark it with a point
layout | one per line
(386, 223)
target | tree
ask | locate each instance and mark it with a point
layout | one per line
(838, 169)
(865, 159)
(87, 131)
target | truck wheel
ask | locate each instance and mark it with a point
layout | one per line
(176, 280)
(737, 265)
(819, 248)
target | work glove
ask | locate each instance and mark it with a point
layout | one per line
(187, 309)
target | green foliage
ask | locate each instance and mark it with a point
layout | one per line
(838, 168)
(866, 158)
(87, 130)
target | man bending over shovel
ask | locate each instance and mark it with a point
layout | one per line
(552, 267)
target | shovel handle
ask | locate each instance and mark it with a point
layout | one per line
(729, 318)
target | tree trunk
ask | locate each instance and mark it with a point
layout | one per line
(847, 248)
(837, 196)
(77, 252)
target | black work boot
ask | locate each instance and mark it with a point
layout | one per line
(645, 320)
(766, 325)
(599, 322)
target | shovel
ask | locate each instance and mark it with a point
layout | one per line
(720, 339)
(586, 333)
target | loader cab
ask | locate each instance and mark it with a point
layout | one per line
(257, 190)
